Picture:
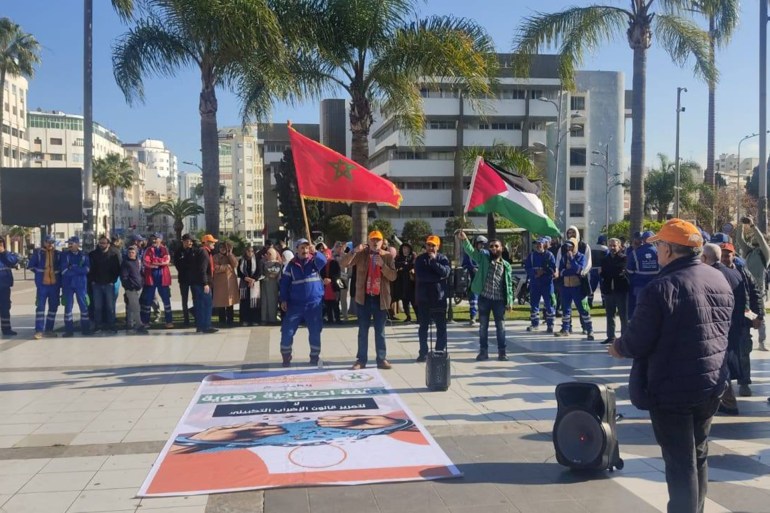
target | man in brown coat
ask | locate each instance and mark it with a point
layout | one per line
(375, 270)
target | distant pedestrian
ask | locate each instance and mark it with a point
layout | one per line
(225, 284)
(432, 270)
(598, 254)
(301, 300)
(642, 268)
(269, 301)
(403, 287)
(331, 277)
(201, 275)
(8, 261)
(45, 264)
(74, 275)
(181, 262)
(614, 286)
(494, 285)
(751, 243)
(104, 272)
(157, 277)
(250, 274)
(572, 270)
(469, 265)
(540, 265)
(131, 279)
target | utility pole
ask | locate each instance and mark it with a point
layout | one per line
(88, 125)
(762, 207)
(679, 109)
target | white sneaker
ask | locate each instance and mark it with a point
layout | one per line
(472, 322)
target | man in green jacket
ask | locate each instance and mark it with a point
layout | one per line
(493, 284)
(752, 246)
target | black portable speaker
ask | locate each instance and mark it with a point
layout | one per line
(438, 372)
(585, 432)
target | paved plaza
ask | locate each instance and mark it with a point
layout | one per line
(82, 420)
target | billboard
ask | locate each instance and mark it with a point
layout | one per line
(41, 196)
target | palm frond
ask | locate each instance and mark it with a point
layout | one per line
(726, 15)
(19, 51)
(124, 8)
(575, 32)
(401, 100)
(683, 39)
(148, 48)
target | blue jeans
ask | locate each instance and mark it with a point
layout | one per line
(202, 305)
(104, 305)
(497, 308)
(426, 314)
(371, 309)
(313, 316)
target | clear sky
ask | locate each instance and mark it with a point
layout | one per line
(170, 112)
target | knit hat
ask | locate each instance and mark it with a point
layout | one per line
(678, 231)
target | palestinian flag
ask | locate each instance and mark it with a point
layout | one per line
(323, 174)
(497, 190)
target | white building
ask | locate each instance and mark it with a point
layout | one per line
(15, 141)
(188, 182)
(727, 167)
(56, 140)
(523, 113)
(161, 175)
(240, 172)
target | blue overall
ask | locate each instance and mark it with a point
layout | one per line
(574, 294)
(74, 278)
(45, 293)
(301, 287)
(8, 261)
(540, 286)
(473, 298)
(642, 269)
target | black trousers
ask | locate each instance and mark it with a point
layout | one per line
(744, 356)
(184, 292)
(332, 310)
(226, 315)
(427, 314)
(683, 438)
(616, 303)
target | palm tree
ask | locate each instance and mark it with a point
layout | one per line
(659, 190)
(113, 172)
(178, 210)
(578, 30)
(723, 19)
(19, 52)
(514, 159)
(238, 44)
(22, 232)
(377, 54)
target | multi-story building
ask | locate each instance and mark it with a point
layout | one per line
(535, 114)
(241, 174)
(188, 184)
(15, 141)
(161, 165)
(727, 166)
(56, 140)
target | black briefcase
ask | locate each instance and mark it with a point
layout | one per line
(438, 373)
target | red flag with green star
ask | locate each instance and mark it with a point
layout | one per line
(323, 174)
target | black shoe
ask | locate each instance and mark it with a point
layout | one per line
(314, 360)
(590, 335)
(607, 341)
(9, 333)
(549, 329)
(286, 360)
(727, 411)
(421, 358)
(210, 330)
(482, 356)
(68, 334)
(502, 357)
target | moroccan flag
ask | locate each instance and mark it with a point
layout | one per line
(494, 189)
(323, 174)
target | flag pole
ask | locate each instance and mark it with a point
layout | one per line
(304, 216)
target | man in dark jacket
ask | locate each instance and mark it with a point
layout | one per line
(614, 286)
(105, 271)
(432, 269)
(131, 278)
(201, 272)
(678, 339)
(181, 259)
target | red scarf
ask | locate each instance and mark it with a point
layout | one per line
(373, 277)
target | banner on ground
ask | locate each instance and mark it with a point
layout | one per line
(294, 428)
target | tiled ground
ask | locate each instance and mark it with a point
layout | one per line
(81, 421)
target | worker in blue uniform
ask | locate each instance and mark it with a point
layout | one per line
(8, 261)
(642, 269)
(45, 262)
(74, 276)
(541, 267)
(571, 267)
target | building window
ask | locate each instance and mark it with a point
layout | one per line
(537, 125)
(577, 103)
(534, 94)
(440, 125)
(56, 156)
(576, 183)
(577, 131)
(55, 141)
(576, 209)
(577, 157)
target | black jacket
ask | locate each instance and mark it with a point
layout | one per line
(182, 256)
(431, 276)
(614, 279)
(105, 266)
(131, 274)
(199, 267)
(678, 337)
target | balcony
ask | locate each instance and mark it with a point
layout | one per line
(512, 108)
(427, 168)
(427, 198)
(542, 109)
(487, 138)
(441, 106)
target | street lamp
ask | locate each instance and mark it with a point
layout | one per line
(556, 155)
(610, 180)
(192, 164)
(738, 189)
(679, 109)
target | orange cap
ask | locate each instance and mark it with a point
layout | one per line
(208, 238)
(433, 239)
(726, 246)
(678, 231)
(376, 234)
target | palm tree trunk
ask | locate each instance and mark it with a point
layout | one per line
(491, 228)
(638, 137)
(360, 123)
(708, 176)
(112, 214)
(96, 212)
(209, 153)
(2, 114)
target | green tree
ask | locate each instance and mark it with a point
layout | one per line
(377, 53)
(21, 232)
(579, 30)
(19, 52)
(453, 224)
(120, 176)
(722, 18)
(289, 201)
(178, 210)
(621, 229)
(415, 232)
(339, 228)
(238, 44)
(513, 159)
(659, 186)
(384, 226)
(239, 244)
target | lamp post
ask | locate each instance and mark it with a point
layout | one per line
(556, 155)
(762, 207)
(192, 164)
(738, 188)
(679, 109)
